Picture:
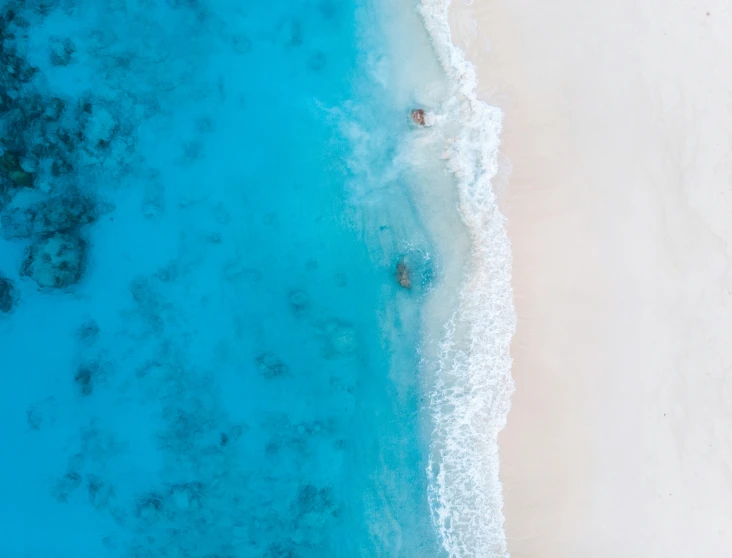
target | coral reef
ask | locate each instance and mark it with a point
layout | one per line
(65, 213)
(8, 295)
(39, 140)
(56, 261)
(86, 376)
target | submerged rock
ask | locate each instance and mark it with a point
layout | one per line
(84, 378)
(418, 117)
(414, 270)
(403, 274)
(7, 295)
(63, 213)
(56, 261)
(67, 213)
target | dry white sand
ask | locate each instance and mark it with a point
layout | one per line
(618, 126)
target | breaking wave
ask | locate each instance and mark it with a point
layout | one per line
(471, 392)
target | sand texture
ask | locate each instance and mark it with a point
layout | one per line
(618, 129)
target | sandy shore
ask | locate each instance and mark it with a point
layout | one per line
(618, 127)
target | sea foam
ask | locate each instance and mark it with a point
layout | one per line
(472, 387)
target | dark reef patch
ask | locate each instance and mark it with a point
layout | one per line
(56, 261)
(8, 295)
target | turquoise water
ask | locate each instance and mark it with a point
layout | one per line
(204, 348)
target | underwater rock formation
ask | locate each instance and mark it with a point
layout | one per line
(403, 274)
(418, 117)
(8, 295)
(56, 261)
(63, 213)
(85, 376)
(414, 270)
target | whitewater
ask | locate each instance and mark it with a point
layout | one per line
(472, 388)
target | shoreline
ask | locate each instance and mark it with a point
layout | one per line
(471, 385)
(617, 213)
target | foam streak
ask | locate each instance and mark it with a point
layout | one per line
(473, 387)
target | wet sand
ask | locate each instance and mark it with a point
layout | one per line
(618, 130)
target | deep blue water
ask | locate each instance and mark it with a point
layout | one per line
(205, 351)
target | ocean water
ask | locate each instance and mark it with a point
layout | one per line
(205, 348)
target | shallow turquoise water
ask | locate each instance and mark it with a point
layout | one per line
(233, 370)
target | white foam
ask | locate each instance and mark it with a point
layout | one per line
(472, 387)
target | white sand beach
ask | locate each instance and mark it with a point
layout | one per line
(618, 129)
